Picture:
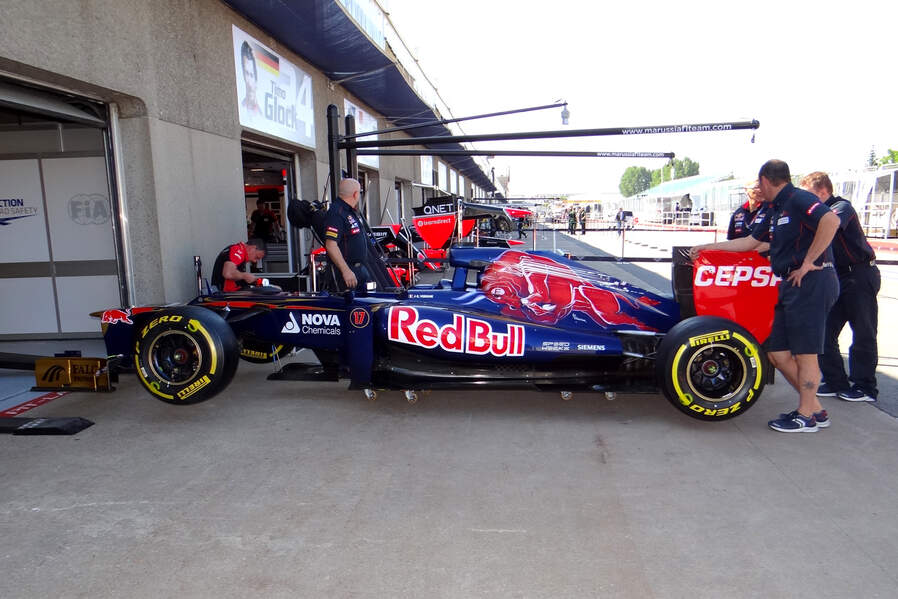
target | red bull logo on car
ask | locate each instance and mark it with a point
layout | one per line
(543, 290)
(114, 316)
(463, 335)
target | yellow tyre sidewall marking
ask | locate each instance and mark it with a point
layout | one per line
(752, 353)
(685, 398)
(152, 387)
(194, 325)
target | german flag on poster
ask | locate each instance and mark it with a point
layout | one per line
(267, 60)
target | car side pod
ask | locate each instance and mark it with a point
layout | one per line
(710, 368)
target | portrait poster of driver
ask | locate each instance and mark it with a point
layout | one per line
(274, 96)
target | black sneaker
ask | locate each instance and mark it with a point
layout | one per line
(794, 423)
(824, 390)
(854, 394)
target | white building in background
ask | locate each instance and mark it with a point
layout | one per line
(711, 199)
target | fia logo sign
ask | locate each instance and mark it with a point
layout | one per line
(89, 209)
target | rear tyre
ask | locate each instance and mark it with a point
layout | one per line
(262, 352)
(711, 368)
(185, 355)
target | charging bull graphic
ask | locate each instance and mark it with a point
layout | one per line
(545, 291)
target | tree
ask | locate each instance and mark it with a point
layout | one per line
(634, 180)
(681, 168)
(890, 158)
(685, 168)
(871, 159)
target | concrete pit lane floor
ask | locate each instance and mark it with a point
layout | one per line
(292, 489)
(289, 489)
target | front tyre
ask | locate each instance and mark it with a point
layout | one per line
(185, 355)
(711, 368)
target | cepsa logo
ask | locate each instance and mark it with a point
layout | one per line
(708, 275)
(463, 335)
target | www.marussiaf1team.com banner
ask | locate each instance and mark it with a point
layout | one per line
(273, 95)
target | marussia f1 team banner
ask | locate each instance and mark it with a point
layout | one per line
(273, 95)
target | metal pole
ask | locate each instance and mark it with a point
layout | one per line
(891, 204)
(447, 121)
(652, 129)
(623, 237)
(352, 161)
(561, 153)
(333, 151)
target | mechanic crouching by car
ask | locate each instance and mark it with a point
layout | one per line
(798, 230)
(345, 240)
(859, 282)
(229, 272)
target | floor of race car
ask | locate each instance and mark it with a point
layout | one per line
(300, 489)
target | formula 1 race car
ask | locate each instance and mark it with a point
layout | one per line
(506, 319)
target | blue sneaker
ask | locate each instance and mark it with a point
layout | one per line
(821, 417)
(794, 423)
(826, 390)
(854, 394)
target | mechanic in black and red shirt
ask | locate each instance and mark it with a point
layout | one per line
(798, 230)
(859, 282)
(229, 272)
(345, 240)
(743, 218)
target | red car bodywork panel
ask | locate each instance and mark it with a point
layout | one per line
(736, 285)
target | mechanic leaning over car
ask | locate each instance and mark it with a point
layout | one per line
(229, 272)
(798, 230)
(859, 283)
(743, 218)
(345, 239)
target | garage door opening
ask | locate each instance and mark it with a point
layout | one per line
(59, 226)
(268, 183)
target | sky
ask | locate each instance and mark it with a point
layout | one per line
(819, 76)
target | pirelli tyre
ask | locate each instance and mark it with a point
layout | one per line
(262, 352)
(185, 355)
(711, 368)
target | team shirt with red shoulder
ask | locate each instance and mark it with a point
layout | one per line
(850, 246)
(236, 253)
(742, 221)
(790, 224)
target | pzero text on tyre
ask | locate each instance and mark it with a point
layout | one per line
(711, 368)
(185, 355)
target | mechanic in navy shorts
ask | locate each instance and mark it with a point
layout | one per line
(797, 229)
(345, 239)
(859, 282)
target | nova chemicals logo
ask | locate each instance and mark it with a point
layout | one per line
(313, 324)
(53, 374)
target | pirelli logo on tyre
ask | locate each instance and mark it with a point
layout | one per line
(709, 338)
(193, 387)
